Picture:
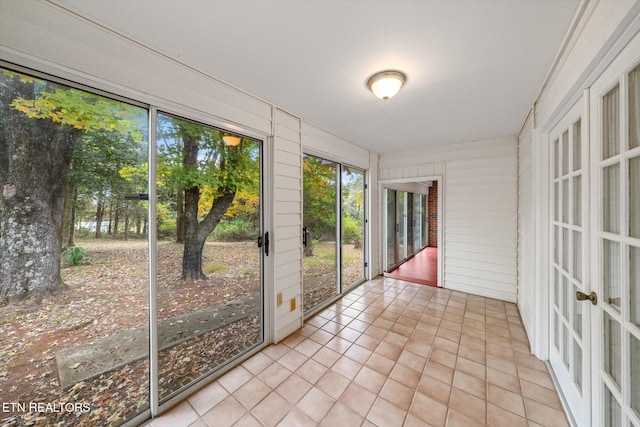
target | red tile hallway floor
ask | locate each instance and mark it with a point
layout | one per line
(421, 269)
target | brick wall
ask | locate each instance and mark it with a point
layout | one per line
(432, 215)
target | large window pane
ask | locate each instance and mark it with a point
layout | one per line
(320, 206)
(209, 265)
(391, 229)
(402, 225)
(417, 223)
(352, 225)
(611, 123)
(73, 166)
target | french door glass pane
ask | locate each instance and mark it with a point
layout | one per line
(612, 410)
(558, 202)
(634, 108)
(78, 162)
(611, 123)
(577, 255)
(320, 205)
(565, 153)
(634, 196)
(577, 145)
(556, 150)
(565, 296)
(577, 313)
(634, 283)
(565, 201)
(556, 330)
(611, 198)
(556, 288)
(611, 270)
(391, 229)
(634, 357)
(352, 225)
(556, 246)
(577, 200)
(577, 365)
(566, 341)
(566, 247)
(612, 348)
(209, 266)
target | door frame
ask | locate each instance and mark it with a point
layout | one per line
(382, 184)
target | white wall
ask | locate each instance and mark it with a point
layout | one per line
(44, 37)
(526, 227)
(480, 210)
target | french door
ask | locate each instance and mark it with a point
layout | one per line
(569, 352)
(595, 242)
(615, 255)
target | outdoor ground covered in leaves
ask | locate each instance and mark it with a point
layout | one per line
(110, 294)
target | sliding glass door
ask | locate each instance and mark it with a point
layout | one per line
(333, 232)
(353, 225)
(74, 243)
(209, 285)
(320, 183)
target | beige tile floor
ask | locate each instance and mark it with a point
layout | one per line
(390, 353)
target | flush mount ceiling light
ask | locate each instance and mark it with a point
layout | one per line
(231, 140)
(386, 84)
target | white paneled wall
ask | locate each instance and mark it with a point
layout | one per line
(480, 210)
(526, 228)
(480, 227)
(288, 224)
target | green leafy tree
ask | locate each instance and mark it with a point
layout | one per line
(41, 123)
(205, 174)
(319, 193)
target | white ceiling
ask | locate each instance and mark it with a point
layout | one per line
(474, 67)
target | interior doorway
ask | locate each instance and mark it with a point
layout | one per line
(411, 235)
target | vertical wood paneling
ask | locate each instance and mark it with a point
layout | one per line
(526, 228)
(474, 191)
(287, 246)
(480, 210)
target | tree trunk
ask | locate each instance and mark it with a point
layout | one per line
(109, 229)
(67, 224)
(196, 233)
(126, 220)
(181, 219)
(99, 216)
(35, 157)
(71, 240)
(116, 219)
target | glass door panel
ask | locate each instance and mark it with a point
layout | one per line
(352, 223)
(402, 226)
(80, 350)
(569, 351)
(391, 227)
(320, 205)
(209, 290)
(417, 222)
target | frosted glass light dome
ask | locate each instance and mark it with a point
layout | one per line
(386, 84)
